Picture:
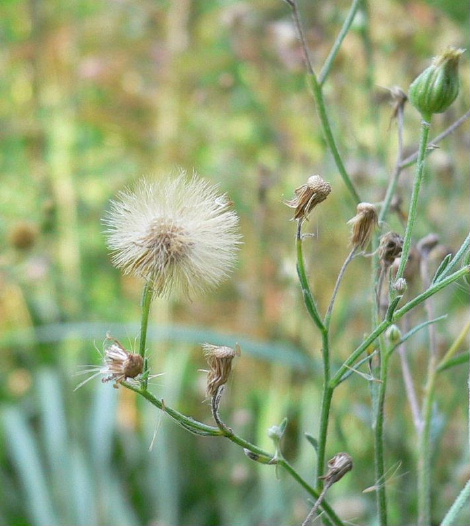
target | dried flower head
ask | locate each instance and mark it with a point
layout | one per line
(219, 360)
(175, 233)
(308, 196)
(338, 466)
(363, 224)
(119, 364)
(390, 247)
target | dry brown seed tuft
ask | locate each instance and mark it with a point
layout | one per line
(363, 225)
(308, 196)
(219, 359)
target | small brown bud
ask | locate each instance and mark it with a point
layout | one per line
(363, 225)
(308, 196)
(338, 466)
(120, 363)
(219, 359)
(391, 245)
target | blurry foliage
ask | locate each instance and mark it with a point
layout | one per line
(94, 94)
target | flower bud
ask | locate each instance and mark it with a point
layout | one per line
(438, 86)
(393, 334)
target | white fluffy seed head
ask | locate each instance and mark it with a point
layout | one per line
(176, 233)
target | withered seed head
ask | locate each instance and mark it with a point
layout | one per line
(219, 359)
(391, 245)
(338, 466)
(308, 196)
(363, 224)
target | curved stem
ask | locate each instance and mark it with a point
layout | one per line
(337, 285)
(203, 429)
(302, 273)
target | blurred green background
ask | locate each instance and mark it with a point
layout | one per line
(95, 94)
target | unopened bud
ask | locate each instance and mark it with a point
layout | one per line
(363, 224)
(308, 196)
(400, 285)
(393, 334)
(438, 85)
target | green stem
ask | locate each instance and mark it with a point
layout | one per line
(325, 71)
(327, 396)
(424, 451)
(379, 442)
(458, 504)
(456, 259)
(199, 428)
(436, 287)
(329, 138)
(345, 368)
(147, 296)
(339, 280)
(324, 505)
(320, 104)
(302, 273)
(413, 210)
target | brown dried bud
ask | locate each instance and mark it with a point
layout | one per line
(391, 245)
(338, 466)
(308, 196)
(120, 363)
(219, 360)
(363, 225)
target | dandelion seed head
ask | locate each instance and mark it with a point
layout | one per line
(178, 233)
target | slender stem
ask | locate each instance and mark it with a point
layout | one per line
(337, 285)
(380, 329)
(147, 296)
(393, 183)
(202, 429)
(327, 396)
(436, 287)
(455, 347)
(424, 437)
(379, 442)
(320, 105)
(329, 138)
(458, 504)
(456, 259)
(424, 452)
(324, 505)
(413, 210)
(302, 273)
(325, 71)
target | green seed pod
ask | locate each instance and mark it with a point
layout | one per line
(438, 86)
